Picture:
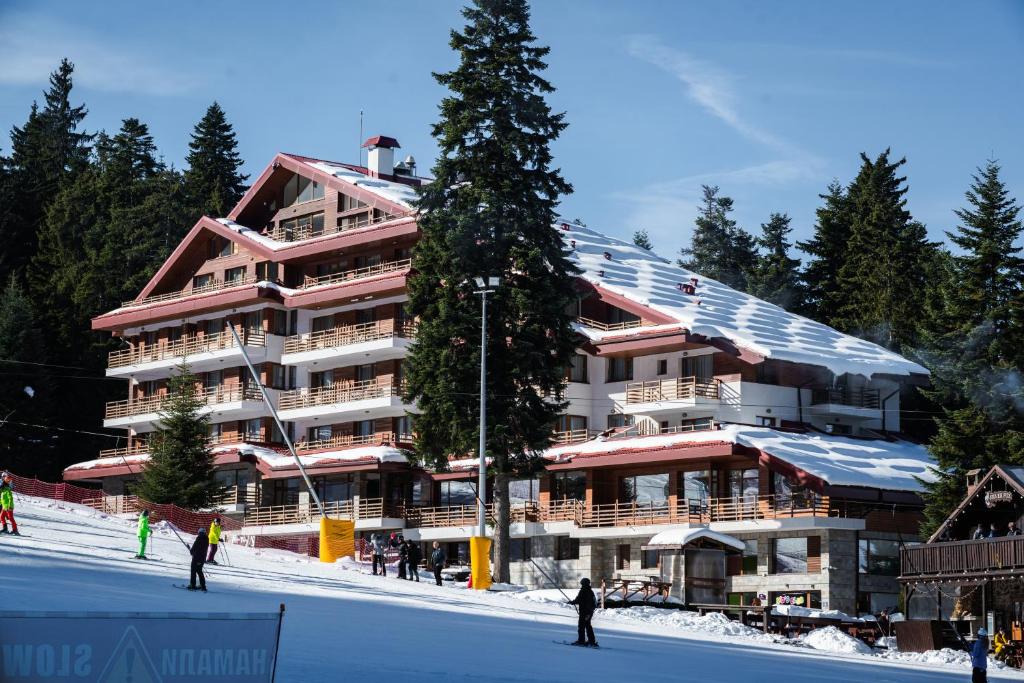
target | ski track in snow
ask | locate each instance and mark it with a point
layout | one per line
(342, 623)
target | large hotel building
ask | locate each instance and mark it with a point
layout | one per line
(693, 408)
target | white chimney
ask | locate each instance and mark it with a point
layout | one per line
(380, 155)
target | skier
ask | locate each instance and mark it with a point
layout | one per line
(144, 534)
(378, 544)
(7, 507)
(585, 602)
(214, 538)
(437, 559)
(403, 557)
(198, 550)
(414, 561)
(979, 658)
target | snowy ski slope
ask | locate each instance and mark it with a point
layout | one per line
(342, 624)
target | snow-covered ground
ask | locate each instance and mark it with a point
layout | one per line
(341, 623)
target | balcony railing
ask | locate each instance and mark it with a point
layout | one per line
(704, 511)
(677, 389)
(248, 495)
(114, 505)
(964, 559)
(305, 513)
(213, 286)
(608, 327)
(137, 448)
(154, 404)
(304, 232)
(574, 436)
(349, 334)
(350, 440)
(357, 273)
(186, 346)
(337, 393)
(860, 398)
(466, 515)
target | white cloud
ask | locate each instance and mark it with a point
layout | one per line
(32, 47)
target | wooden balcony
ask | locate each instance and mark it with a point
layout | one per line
(240, 496)
(677, 389)
(347, 335)
(186, 346)
(862, 398)
(305, 232)
(352, 440)
(269, 515)
(357, 273)
(963, 560)
(608, 327)
(114, 505)
(154, 404)
(337, 393)
(697, 511)
(213, 286)
(137, 448)
(465, 515)
(574, 436)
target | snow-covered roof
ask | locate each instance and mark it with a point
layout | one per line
(718, 311)
(682, 535)
(840, 461)
(399, 193)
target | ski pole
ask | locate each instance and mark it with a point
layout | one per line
(555, 585)
(226, 552)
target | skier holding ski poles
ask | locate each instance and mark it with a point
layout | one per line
(144, 533)
(214, 538)
(198, 550)
(585, 601)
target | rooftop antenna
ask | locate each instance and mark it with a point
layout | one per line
(359, 148)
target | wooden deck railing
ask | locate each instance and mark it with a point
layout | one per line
(186, 346)
(248, 495)
(608, 327)
(465, 515)
(348, 440)
(574, 436)
(296, 233)
(347, 335)
(963, 558)
(357, 273)
(154, 404)
(704, 511)
(301, 514)
(337, 393)
(568, 510)
(214, 286)
(114, 505)
(862, 398)
(677, 389)
(138, 448)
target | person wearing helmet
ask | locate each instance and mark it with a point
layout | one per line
(585, 603)
(198, 550)
(214, 538)
(979, 658)
(143, 534)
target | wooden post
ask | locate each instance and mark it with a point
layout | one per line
(765, 612)
(602, 593)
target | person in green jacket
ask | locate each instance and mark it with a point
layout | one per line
(7, 508)
(144, 534)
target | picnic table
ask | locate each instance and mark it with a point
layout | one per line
(646, 587)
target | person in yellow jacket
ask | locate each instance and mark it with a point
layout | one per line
(214, 538)
(999, 643)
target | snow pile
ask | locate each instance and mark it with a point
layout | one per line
(713, 623)
(831, 639)
(399, 193)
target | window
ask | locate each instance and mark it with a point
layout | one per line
(323, 323)
(321, 379)
(790, 556)
(402, 253)
(619, 420)
(366, 261)
(277, 377)
(347, 203)
(789, 493)
(214, 432)
(878, 557)
(254, 429)
(701, 367)
(365, 315)
(319, 433)
(325, 269)
(619, 370)
(578, 368)
(365, 373)
(253, 321)
(811, 599)
(519, 550)
(650, 559)
(764, 421)
(279, 322)
(523, 491)
(617, 315)
(285, 491)
(213, 379)
(227, 248)
(646, 489)
(695, 486)
(697, 424)
(362, 428)
(266, 270)
(748, 565)
(875, 603)
(335, 488)
(622, 557)
(569, 486)
(567, 548)
(214, 326)
(402, 426)
(234, 274)
(571, 423)
(457, 493)
(200, 281)
(299, 189)
(663, 367)
(744, 484)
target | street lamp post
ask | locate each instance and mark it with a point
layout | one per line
(483, 289)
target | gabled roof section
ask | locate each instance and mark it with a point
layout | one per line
(1012, 477)
(716, 311)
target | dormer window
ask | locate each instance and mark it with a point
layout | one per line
(299, 189)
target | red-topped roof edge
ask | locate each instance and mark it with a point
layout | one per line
(381, 141)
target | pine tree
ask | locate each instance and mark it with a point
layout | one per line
(490, 212)
(827, 249)
(180, 468)
(719, 249)
(643, 240)
(776, 277)
(213, 184)
(974, 345)
(882, 279)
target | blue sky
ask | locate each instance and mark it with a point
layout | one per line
(769, 100)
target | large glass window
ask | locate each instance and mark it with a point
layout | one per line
(695, 486)
(571, 423)
(200, 281)
(646, 489)
(519, 550)
(363, 428)
(879, 557)
(578, 368)
(569, 486)
(319, 433)
(523, 491)
(619, 370)
(743, 484)
(299, 189)
(457, 493)
(748, 564)
(234, 274)
(567, 548)
(701, 367)
(254, 429)
(790, 556)
(322, 323)
(338, 488)
(619, 420)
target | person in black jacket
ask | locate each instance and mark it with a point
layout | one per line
(199, 548)
(437, 559)
(586, 603)
(403, 557)
(414, 560)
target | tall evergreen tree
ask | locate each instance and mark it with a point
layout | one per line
(882, 281)
(46, 152)
(180, 468)
(213, 183)
(719, 248)
(490, 212)
(643, 240)
(975, 345)
(827, 249)
(776, 277)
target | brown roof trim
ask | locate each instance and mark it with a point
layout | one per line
(184, 307)
(646, 456)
